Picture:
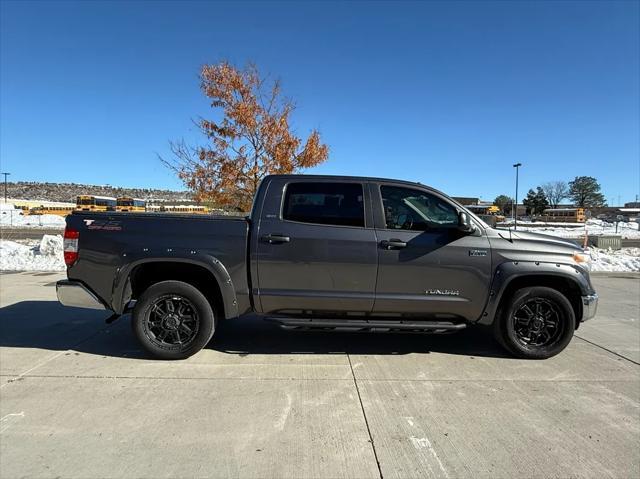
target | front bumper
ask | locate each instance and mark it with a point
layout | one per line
(73, 293)
(589, 306)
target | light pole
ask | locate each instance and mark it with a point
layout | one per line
(515, 206)
(5, 186)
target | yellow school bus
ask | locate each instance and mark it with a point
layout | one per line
(190, 209)
(484, 209)
(95, 203)
(489, 213)
(568, 215)
(126, 203)
(51, 210)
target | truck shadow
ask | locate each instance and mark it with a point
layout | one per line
(51, 326)
(252, 335)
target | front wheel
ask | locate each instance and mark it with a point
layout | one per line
(537, 324)
(173, 320)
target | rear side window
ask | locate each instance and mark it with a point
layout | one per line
(340, 204)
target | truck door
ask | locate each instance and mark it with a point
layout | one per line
(315, 248)
(427, 267)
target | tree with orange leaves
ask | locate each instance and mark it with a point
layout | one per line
(252, 139)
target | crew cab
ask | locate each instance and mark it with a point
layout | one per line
(365, 254)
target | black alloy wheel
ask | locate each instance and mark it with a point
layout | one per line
(173, 320)
(535, 322)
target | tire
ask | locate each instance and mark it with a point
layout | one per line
(540, 335)
(173, 320)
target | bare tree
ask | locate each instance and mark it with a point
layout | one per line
(556, 191)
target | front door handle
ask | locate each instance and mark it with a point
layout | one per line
(393, 243)
(276, 238)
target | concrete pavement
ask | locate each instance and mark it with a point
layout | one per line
(79, 398)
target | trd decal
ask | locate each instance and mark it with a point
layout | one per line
(104, 225)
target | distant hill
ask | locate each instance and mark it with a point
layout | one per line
(67, 192)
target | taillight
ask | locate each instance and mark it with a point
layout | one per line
(70, 246)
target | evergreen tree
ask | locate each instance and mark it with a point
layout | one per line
(536, 201)
(584, 191)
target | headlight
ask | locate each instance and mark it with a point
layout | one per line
(583, 258)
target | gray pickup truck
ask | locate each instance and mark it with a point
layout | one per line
(329, 252)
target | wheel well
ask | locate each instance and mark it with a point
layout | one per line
(569, 288)
(148, 274)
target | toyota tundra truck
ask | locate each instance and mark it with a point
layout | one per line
(328, 252)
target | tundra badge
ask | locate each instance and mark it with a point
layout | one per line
(443, 292)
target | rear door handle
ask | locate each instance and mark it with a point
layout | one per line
(393, 243)
(276, 238)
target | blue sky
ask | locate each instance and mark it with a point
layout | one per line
(450, 94)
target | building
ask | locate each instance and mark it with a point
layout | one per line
(466, 201)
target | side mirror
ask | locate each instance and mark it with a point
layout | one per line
(465, 224)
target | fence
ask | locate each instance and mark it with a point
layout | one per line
(607, 241)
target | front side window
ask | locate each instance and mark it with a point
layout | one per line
(416, 210)
(340, 204)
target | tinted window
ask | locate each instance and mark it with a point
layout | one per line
(324, 203)
(409, 209)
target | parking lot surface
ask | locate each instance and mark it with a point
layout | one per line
(79, 398)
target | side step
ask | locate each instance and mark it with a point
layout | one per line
(368, 325)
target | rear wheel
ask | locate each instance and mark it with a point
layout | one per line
(537, 324)
(173, 320)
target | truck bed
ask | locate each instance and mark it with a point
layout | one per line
(113, 244)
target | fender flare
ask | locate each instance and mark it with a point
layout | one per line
(122, 279)
(506, 272)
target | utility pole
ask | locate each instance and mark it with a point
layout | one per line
(515, 206)
(5, 186)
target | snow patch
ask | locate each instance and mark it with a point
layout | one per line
(624, 260)
(47, 256)
(50, 245)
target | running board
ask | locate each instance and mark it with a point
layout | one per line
(368, 325)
